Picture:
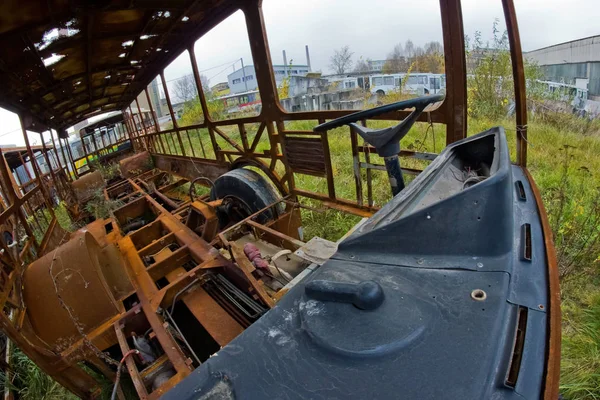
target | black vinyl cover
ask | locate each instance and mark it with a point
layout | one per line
(430, 338)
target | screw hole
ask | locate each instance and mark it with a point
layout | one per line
(478, 295)
(478, 218)
(541, 306)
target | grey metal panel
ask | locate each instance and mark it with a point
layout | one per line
(568, 72)
(577, 51)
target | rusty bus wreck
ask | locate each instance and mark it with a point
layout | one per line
(218, 295)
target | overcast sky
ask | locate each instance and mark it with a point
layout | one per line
(371, 29)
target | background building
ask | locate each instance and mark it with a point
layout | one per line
(244, 79)
(376, 65)
(565, 62)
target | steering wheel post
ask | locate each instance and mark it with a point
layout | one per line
(392, 166)
(387, 140)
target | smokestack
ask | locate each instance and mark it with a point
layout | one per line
(285, 63)
(308, 59)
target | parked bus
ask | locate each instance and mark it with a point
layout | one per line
(417, 83)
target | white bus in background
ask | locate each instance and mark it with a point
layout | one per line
(345, 83)
(417, 83)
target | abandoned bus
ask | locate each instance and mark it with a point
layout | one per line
(189, 272)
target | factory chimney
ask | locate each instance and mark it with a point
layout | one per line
(285, 66)
(308, 59)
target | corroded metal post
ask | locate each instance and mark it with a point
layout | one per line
(516, 56)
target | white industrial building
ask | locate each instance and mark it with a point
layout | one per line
(244, 79)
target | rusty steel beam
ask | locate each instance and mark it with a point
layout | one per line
(455, 103)
(516, 56)
(552, 376)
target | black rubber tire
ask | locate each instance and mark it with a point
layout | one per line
(250, 187)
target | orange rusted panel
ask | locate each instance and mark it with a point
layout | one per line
(68, 278)
(136, 164)
(88, 186)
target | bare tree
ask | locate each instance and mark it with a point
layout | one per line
(395, 61)
(184, 88)
(341, 61)
(434, 48)
(409, 50)
(362, 65)
(205, 83)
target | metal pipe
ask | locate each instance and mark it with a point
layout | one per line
(189, 285)
(182, 337)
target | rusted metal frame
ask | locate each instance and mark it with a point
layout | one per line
(15, 204)
(328, 167)
(417, 155)
(144, 140)
(244, 136)
(146, 290)
(160, 140)
(138, 382)
(273, 232)
(170, 135)
(228, 139)
(70, 154)
(274, 142)
(34, 218)
(356, 167)
(10, 179)
(89, 52)
(58, 157)
(199, 88)
(175, 125)
(254, 155)
(70, 354)
(437, 116)
(85, 151)
(516, 56)
(187, 132)
(12, 277)
(168, 98)
(261, 55)
(48, 234)
(75, 383)
(213, 139)
(339, 204)
(165, 296)
(130, 127)
(25, 167)
(259, 133)
(156, 128)
(45, 154)
(180, 142)
(35, 167)
(168, 144)
(201, 144)
(381, 167)
(456, 71)
(252, 216)
(37, 59)
(148, 18)
(552, 376)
